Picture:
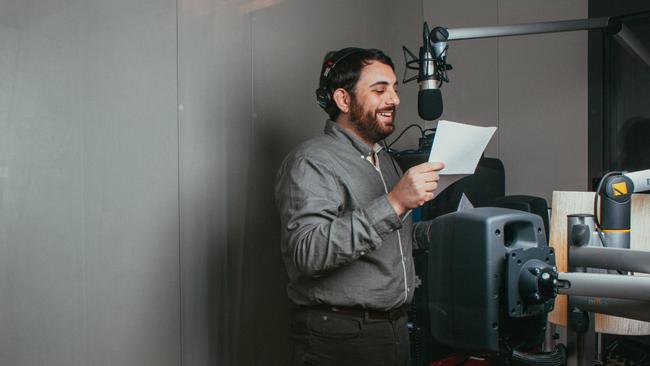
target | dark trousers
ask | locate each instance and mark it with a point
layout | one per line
(324, 337)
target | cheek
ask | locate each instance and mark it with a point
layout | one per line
(375, 104)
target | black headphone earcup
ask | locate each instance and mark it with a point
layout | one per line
(323, 98)
(323, 95)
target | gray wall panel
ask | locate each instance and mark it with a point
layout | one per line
(131, 165)
(40, 263)
(543, 100)
(215, 124)
(403, 27)
(89, 212)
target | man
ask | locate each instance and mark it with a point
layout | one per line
(346, 232)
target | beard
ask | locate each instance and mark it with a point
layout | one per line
(366, 122)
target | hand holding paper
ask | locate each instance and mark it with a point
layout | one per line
(460, 147)
(415, 187)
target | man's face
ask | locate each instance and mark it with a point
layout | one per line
(374, 102)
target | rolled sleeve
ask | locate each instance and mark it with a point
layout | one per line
(383, 217)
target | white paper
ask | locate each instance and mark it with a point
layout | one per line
(447, 180)
(459, 147)
(464, 204)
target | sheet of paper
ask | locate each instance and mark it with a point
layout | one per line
(446, 180)
(459, 146)
(465, 203)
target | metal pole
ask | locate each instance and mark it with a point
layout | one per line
(528, 28)
(632, 309)
(626, 260)
(605, 285)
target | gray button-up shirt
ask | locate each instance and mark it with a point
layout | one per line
(342, 242)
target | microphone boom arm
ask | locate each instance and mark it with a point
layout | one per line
(608, 23)
(611, 25)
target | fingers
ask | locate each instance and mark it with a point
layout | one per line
(417, 186)
(431, 177)
(425, 187)
(437, 166)
(427, 198)
(430, 187)
(426, 182)
(429, 167)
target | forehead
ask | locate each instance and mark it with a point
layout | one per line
(377, 72)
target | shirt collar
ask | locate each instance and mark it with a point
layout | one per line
(335, 130)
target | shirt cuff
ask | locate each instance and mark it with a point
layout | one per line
(382, 216)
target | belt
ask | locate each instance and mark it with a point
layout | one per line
(363, 313)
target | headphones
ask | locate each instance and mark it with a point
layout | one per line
(323, 93)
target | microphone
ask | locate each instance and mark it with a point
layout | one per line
(432, 70)
(429, 95)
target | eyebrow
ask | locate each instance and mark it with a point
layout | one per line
(381, 83)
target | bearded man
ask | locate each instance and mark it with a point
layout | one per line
(347, 236)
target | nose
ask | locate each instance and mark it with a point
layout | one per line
(393, 99)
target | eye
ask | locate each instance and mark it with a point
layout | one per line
(380, 91)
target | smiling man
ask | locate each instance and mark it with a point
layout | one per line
(346, 233)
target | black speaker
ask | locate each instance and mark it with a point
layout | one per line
(532, 204)
(490, 279)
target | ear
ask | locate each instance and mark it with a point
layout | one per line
(342, 99)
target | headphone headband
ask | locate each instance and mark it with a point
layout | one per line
(337, 57)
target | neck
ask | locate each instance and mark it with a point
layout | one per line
(344, 121)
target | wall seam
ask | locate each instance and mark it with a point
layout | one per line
(254, 120)
(498, 85)
(178, 168)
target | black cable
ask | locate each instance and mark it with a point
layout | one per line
(556, 357)
(406, 129)
(407, 151)
(600, 186)
(441, 67)
(596, 196)
(392, 160)
(599, 230)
